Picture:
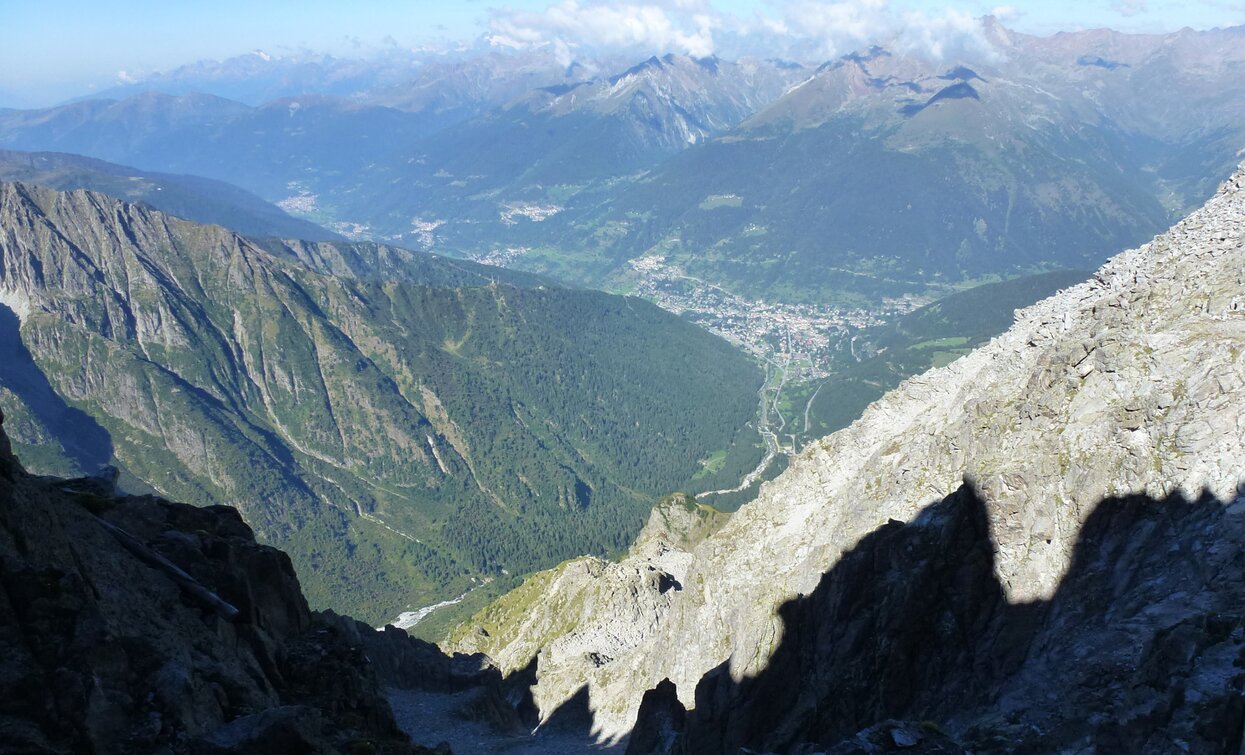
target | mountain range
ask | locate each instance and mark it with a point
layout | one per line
(865, 177)
(880, 173)
(1022, 531)
(445, 81)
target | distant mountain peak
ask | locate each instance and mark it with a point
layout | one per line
(651, 63)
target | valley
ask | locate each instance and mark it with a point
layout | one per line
(804, 348)
(404, 438)
(807, 335)
(675, 378)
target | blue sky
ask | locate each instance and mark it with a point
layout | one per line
(51, 49)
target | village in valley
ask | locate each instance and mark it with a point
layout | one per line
(810, 337)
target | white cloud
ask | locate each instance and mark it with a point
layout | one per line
(792, 28)
(680, 25)
(1006, 13)
(837, 27)
(1130, 8)
(124, 77)
(953, 34)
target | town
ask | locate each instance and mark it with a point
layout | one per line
(813, 337)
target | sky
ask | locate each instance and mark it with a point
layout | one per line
(54, 49)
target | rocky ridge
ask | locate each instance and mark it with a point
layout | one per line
(670, 102)
(1122, 386)
(619, 599)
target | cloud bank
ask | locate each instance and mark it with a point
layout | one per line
(795, 28)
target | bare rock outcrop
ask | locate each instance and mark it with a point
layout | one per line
(130, 624)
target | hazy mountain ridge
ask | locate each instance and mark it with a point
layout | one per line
(689, 99)
(433, 432)
(501, 176)
(192, 197)
(263, 149)
(1121, 385)
(470, 83)
(258, 77)
(881, 171)
(872, 175)
(836, 179)
(447, 82)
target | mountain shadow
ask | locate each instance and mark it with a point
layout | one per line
(84, 441)
(570, 722)
(909, 643)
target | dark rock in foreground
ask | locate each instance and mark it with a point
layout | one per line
(132, 624)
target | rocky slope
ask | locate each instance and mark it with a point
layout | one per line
(133, 625)
(1005, 545)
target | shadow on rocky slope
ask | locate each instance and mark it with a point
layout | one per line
(571, 724)
(85, 442)
(130, 624)
(910, 636)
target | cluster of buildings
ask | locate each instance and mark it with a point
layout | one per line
(533, 212)
(502, 257)
(423, 231)
(776, 332)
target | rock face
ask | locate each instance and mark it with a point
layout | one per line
(132, 624)
(1038, 546)
(1142, 647)
(587, 612)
